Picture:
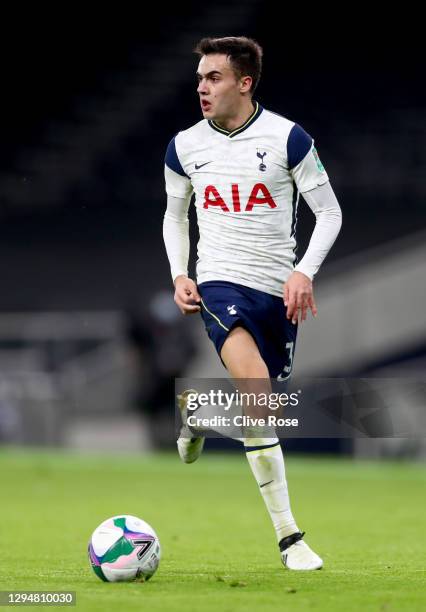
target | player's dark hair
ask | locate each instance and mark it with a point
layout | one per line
(245, 55)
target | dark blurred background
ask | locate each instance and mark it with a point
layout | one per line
(89, 103)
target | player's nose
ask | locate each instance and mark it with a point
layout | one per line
(202, 87)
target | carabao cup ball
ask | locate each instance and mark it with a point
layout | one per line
(124, 548)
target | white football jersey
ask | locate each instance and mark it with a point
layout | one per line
(246, 184)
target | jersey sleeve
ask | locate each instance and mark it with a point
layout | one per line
(323, 203)
(304, 164)
(178, 183)
(176, 235)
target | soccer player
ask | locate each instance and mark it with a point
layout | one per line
(246, 166)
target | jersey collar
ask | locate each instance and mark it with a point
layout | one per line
(231, 133)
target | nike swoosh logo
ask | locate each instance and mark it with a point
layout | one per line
(281, 378)
(201, 165)
(265, 483)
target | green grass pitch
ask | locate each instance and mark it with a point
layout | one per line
(367, 520)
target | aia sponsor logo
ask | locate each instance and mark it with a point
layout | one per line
(259, 196)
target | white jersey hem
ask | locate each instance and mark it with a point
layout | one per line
(203, 278)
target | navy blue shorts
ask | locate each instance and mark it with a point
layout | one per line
(227, 305)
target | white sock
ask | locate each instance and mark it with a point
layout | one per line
(267, 464)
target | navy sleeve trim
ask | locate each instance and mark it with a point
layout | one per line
(299, 143)
(172, 160)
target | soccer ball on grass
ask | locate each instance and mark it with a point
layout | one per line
(124, 548)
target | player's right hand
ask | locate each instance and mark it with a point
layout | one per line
(187, 297)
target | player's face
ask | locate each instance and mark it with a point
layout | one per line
(218, 87)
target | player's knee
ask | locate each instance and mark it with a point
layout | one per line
(250, 368)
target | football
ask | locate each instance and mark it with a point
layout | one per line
(123, 549)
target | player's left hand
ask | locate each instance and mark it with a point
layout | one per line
(298, 297)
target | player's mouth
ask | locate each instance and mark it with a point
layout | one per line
(205, 105)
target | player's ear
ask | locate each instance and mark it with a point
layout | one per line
(245, 84)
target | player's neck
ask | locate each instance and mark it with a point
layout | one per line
(237, 120)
